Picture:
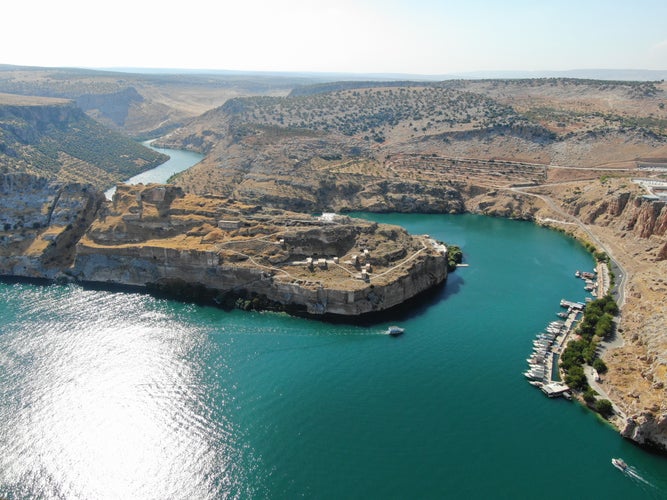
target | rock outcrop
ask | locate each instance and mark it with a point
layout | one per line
(194, 246)
(41, 222)
(647, 429)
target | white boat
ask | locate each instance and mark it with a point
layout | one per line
(395, 330)
(620, 464)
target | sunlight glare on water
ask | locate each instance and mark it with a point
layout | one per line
(110, 406)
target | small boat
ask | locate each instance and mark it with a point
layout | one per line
(395, 330)
(620, 464)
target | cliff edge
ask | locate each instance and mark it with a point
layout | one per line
(158, 237)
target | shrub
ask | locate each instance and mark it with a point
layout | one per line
(604, 407)
(589, 395)
(599, 366)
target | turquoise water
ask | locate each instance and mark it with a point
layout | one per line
(112, 395)
(178, 161)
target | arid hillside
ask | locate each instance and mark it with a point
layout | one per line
(140, 105)
(54, 139)
(411, 146)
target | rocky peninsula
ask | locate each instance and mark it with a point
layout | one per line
(161, 238)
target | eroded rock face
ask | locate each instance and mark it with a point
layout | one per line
(40, 223)
(158, 236)
(647, 429)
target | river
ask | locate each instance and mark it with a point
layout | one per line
(123, 395)
(178, 161)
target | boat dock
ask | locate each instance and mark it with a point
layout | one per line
(547, 346)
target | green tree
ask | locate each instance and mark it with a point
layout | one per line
(604, 407)
(599, 366)
(611, 307)
(589, 395)
(576, 378)
(604, 326)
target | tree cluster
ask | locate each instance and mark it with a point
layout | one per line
(597, 324)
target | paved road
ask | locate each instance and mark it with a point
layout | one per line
(590, 375)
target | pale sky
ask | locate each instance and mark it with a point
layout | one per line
(426, 37)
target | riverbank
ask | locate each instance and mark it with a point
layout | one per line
(628, 231)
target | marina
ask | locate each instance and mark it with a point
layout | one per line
(547, 346)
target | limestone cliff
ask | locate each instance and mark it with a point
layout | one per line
(160, 237)
(40, 223)
(633, 227)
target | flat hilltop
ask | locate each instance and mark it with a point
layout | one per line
(24, 100)
(141, 105)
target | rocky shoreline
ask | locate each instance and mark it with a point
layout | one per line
(162, 239)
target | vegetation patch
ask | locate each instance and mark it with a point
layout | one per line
(597, 324)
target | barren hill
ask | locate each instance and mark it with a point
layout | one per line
(348, 147)
(140, 105)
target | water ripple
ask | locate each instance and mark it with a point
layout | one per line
(106, 401)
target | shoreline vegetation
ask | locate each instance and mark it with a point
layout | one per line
(597, 325)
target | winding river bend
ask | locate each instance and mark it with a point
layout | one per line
(178, 162)
(121, 395)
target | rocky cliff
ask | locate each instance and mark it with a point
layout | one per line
(41, 222)
(633, 227)
(159, 237)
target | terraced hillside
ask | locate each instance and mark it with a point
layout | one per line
(414, 146)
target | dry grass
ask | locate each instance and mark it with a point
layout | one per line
(21, 100)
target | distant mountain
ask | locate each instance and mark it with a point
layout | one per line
(588, 74)
(321, 77)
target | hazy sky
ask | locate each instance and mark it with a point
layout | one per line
(399, 36)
